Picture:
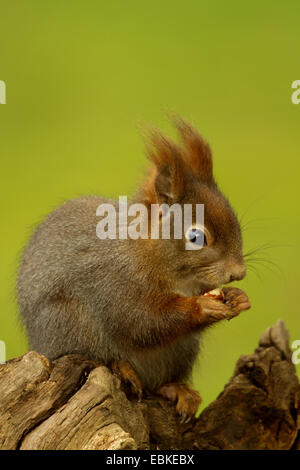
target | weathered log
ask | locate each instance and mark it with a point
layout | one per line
(75, 403)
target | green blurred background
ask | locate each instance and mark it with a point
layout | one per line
(82, 76)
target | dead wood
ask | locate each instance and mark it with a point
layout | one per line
(75, 403)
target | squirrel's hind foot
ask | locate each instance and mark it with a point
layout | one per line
(128, 375)
(188, 400)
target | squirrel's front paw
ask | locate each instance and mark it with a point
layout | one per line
(236, 300)
(212, 310)
(232, 302)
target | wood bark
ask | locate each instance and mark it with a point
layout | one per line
(75, 403)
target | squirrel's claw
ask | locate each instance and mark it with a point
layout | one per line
(185, 419)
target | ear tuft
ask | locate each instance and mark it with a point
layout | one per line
(197, 151)
(169, 162)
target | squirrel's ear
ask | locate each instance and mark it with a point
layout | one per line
(169, 179)
(197, 151)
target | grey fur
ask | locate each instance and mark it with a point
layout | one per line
(79, 294)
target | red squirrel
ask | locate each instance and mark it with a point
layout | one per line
(138, 306)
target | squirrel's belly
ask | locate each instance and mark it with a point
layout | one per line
(172, 363)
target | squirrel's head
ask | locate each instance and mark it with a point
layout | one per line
(184, 175)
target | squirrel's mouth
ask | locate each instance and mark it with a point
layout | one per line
(209, 289)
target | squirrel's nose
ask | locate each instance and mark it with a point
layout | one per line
(237, 272)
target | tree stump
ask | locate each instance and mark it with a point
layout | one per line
(75, 403)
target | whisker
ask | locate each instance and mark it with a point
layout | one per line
(250, 223)
(268, 264)
(264, 247)
(246, 211)
(254, 270)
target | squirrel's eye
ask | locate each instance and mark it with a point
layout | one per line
(196, 236)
